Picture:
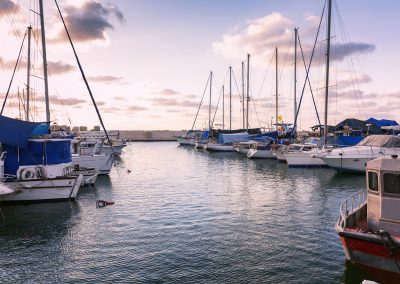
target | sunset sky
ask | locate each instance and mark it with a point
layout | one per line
(148, 62)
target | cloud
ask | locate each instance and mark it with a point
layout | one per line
(120, 98)
(8, 7)
(164, 102)
(171, 110)
(168, 92)
(88, 22)
(353, 81)
(107, 79)
(59, 67)
(136, 108)
(8, 64)
(66, 102)
(262, 35)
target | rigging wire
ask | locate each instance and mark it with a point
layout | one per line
(205, 89)
(308, 70)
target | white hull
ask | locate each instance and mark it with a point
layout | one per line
(304, 159)
(280, 155)
(243, 151)
(354, 158)
(6, 191)
(36, 190)
(105, 149)
(200, 145)
(101, 163)
(219, 147)
(185, 141)
(260, 154)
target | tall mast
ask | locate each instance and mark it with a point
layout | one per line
(209, 105)
(230, 97)
(28, 76)
(276, 86)
(46, 86)
(243, 93)
(223, 107)
(295, 74)
(248, 89)
(328, 49)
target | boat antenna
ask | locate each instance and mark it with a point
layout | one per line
(84, 77)
(328, 48)
(13, 74)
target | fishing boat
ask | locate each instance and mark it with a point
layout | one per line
(243, 147)
(354, 159)
(369, 221)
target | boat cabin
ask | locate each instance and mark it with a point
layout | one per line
(383, 194)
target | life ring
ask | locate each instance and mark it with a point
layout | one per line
(28, 173)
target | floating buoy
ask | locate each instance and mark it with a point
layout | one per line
(103, 203)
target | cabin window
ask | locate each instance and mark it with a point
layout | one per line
(391, 183)
(373, 181)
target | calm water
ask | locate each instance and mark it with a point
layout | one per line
(185, 216)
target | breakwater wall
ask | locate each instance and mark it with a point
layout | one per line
(150, 135)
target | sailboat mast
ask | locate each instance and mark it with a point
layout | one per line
(46, 85)
(223, 107)
(230, 97)
(248, 89)
(295, 74)
(276, 86)
(328, 48)
(28, 75)
(243, 93)
(209, 105)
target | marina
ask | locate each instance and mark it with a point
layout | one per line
(177, 218)
(284, 169)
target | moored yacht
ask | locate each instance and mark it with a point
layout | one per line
(355, 158)
(369, 222)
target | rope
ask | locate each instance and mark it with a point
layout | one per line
(205, 89)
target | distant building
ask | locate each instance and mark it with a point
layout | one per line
(96, 128)
(82, 128)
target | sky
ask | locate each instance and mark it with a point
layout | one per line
(148, 62)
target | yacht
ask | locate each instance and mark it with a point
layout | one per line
(369, 221)
(354, 159)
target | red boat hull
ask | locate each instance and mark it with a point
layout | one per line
(371, 253)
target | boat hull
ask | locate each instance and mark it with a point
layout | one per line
(304, 160)
(44, 190)
(260, 154)
(101, 163)
(185, 141)
(347, 164)
(369, 251)
(280, 155)
(219, 148)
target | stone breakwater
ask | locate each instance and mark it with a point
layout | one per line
(150, 135)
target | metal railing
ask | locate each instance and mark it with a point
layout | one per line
(350, 205)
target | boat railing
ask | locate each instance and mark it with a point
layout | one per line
(349, 206)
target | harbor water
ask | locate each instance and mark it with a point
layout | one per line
(185, 216)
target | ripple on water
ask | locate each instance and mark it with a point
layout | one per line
(185, 216)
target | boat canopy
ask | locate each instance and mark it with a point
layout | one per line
(344, 141)
(37, 152)
(360, 125)
(381, 141)
(382, 122)
(16, 132)
(233, 138)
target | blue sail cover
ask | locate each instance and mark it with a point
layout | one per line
(38, 152)
(17, 132)
(233, 138)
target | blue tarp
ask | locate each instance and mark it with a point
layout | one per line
(382, 122)
(45, 152)
(233, 138)
(17, 132)
(345, 141)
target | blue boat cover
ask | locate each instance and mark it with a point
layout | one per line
(233, 138)
(382, 122)
(345, 141)
(38, 152)
(17, 132)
